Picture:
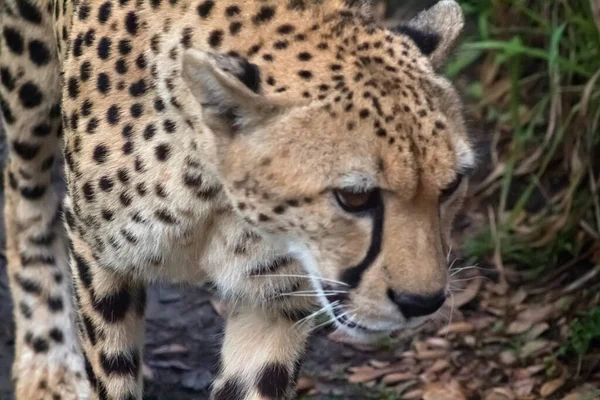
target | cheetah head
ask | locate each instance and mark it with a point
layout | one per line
(358, 167)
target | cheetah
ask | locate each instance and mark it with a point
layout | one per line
(296, 155)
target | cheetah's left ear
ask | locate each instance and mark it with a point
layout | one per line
(436, 30)
(228, 89)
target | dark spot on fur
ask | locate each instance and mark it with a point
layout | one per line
(273, 381)
(83, 269)
(131, 23)
(29, 12)
(205, 8)
(40, 345)
(14, 40)
(30, 95)
(104, 12)
(55, 304)
(215, 38)
(113, 307)
(57, 335)
(125, 363)
(264, 15)
(39, 53)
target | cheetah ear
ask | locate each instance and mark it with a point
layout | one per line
(436, 30)
(228, 90)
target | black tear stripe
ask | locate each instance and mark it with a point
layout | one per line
(353, 275)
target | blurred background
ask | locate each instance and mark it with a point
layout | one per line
(524, 322)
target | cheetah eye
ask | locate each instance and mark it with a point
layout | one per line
(452, 187)
(356, 202)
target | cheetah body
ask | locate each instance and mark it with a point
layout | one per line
(228, 142)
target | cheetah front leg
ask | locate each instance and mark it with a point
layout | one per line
(261, 354)
(47, 364)
(110, 308)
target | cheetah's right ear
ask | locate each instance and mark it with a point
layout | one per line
(228, 88)
(436, 30)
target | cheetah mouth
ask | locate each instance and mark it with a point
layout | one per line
(342, 318)
(337, 307)
(346, 322)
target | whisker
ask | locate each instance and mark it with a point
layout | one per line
(461, 269)
(321, 291)
(313, 315)
(452, 264)
(312, 293)
(449, 253)
(296, 295)
(470, 279)
(329, 322)
(302, 276)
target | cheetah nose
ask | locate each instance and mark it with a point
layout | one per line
(416, 305)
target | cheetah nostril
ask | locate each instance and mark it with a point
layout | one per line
(414, 305)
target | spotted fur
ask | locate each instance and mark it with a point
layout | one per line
(223, 141)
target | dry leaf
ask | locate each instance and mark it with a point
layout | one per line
(536, 331)
(466, 295)
(500, 288)
(500, 394)
(379, 364)
(438, 343)
(519, 297)
(508, 357)
(519, 326)
(360, 369)
(536, 314)
(413, 394)
(549, 388)
(439, 366)
(304, 384)
(578, 395)
(457, 327)
(533, 347)
(341, 337)
(470, 340)
(370, 384)
(392, 379)
(444, 391)
(432, 354)
(524, 387)
(366, 375)
(536, 369)
(174, 348)
(147, 373)
(573, 396)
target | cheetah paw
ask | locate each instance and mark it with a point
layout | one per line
(57, 374)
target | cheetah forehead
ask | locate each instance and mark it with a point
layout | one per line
(357, 81)
(371, 82)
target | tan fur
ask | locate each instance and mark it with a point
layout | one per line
(206, 140)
